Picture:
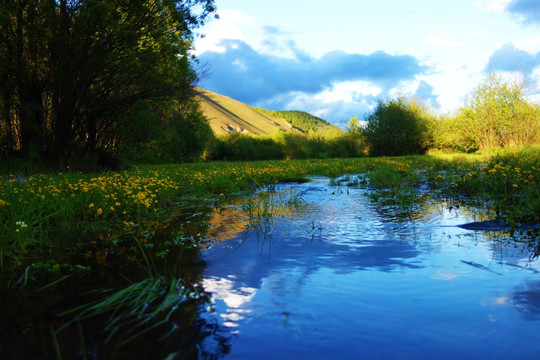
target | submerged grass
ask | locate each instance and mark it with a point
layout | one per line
(150, 301)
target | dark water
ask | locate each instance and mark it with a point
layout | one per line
(346, 277)
(303, 271)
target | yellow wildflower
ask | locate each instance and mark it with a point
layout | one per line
(91, 205)
(99, 211)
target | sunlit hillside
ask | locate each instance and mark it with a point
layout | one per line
(228, 115)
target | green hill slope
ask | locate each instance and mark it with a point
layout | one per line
(301, 120)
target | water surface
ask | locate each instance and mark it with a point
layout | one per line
(339, 275)
(296, 271)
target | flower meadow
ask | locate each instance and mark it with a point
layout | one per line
(62, 218)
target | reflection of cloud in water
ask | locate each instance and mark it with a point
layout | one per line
(342, 265)
(342, 230)
(528, 301)
(501, 300)
(235, 298)
(443, 276)
(339, 232)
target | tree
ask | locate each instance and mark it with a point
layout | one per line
(353, 125)
(69, 67)
(496, 114)
(23, 72)
(397, 127)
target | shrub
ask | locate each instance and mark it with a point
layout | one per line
(397, 127)
(237, 146)
(164, 131)
(496, 114)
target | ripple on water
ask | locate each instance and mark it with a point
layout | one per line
(348, 277)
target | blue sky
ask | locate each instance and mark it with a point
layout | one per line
(334, 59)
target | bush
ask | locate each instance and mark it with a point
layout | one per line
(237, 146)
(397, 127)
(164, 132)
(496, 114)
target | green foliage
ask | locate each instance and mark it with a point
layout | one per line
(70, 69)
(448, 135)
(496, 114)
(169, 131)
(281, 145)
(143, 305)
(301, 120)
(397, 127)
(354, 125)
(237, 146)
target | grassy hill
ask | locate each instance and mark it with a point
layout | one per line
(300, 120)
(227, 115)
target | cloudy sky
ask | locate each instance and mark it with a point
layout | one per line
(334, 59)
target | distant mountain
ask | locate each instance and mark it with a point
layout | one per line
(227, 115)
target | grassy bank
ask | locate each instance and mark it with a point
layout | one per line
(55, 216)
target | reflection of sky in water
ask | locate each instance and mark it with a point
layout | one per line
(347, 278)
(233, 298)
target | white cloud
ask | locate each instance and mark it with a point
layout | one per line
(493, 6)
(443, 38)
(231, 25)
(530, 45)
(535, 82)
(477, 34)
(348, 91)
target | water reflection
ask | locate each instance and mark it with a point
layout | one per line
(234, 298)
(527, 300)
(310, 271)
(358, 278)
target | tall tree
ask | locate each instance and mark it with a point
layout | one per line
(354, 125)
(70, 66)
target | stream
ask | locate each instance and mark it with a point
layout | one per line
(317, 270)
(346, 277)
